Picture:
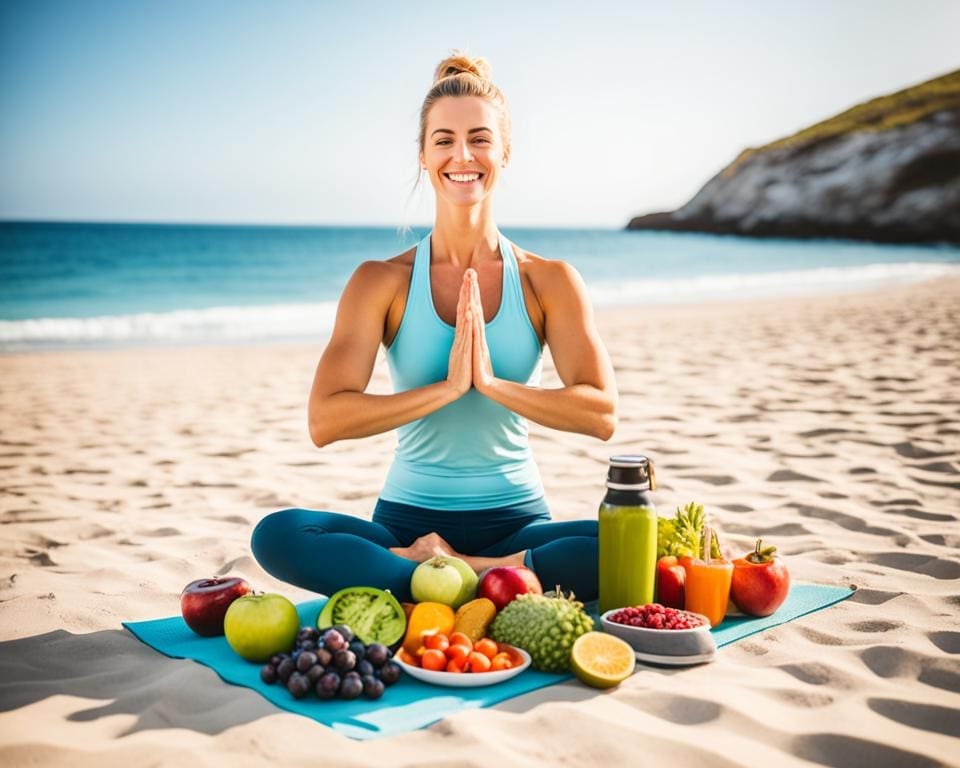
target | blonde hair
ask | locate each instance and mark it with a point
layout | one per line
(461, 75)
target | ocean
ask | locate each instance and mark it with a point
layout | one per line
(66, 285)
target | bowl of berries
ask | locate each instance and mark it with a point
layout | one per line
(661, 635)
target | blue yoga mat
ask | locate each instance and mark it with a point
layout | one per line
(410, 704)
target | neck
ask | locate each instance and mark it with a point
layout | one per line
(464, 237)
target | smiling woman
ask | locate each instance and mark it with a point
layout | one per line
(464, 317)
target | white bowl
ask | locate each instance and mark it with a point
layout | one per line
(696, 642)
(463, 679)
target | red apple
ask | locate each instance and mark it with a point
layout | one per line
(761, 581)
(504, 583)
(671, 583)
(204, 602)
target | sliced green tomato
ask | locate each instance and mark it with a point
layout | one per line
(601, 660)
(374, 616)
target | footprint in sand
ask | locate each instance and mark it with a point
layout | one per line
(919, 514)
(840, 751)
(849, 522)
(161, 532)
(712, 479)
(948, 642)
(875, 625)
(789, 476)
(890, 661)
(816, 673)
(805, 699)
(910, 451)
(681, 710)
(936, 567)
(926, 717)
(735, 507)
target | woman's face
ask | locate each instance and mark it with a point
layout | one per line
(463, 140)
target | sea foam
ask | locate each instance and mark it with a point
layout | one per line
(314, 321)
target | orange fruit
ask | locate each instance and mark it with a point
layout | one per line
(477, 662)
(434, 660)
(458, 638)
(487, 647)
(437, 642)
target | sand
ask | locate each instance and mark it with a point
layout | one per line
(831, 426)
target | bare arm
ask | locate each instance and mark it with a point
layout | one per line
(339, 406)
(587, 403)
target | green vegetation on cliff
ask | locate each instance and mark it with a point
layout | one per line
(880, 114)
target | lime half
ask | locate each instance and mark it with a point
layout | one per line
(601, 660)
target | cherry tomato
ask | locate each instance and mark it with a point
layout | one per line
(487, 647)
(477, 662)
(457, 653)
(437, 642)
(458, 638)
(433, 659)
(501, 661)
(455, 665)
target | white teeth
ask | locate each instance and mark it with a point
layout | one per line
(463, 177)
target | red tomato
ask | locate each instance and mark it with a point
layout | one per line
(437, 642)
(501, 661)
(458, 638)
(761, 581)
(477, 662)
(455, 665)
(487, 647)
(671, 578)
(457, 653)
(433, 659)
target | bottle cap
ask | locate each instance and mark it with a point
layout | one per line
(631, 473)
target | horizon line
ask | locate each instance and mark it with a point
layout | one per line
(265, 224)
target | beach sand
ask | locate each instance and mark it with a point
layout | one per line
(830, 425)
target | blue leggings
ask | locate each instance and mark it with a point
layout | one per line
(327, 551)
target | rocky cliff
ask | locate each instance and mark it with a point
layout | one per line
(887, 170)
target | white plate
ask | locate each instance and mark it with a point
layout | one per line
(674, 661)
(464, 679)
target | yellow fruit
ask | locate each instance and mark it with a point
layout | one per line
(601, 660)
(474, 618)
(427, 618)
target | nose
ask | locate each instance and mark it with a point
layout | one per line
(462, 152)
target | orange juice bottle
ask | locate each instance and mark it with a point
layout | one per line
(708, 584)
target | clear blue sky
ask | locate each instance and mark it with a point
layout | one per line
(306, 112)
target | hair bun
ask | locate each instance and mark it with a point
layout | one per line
(458, 63)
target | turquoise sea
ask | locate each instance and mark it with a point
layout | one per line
(65, 285)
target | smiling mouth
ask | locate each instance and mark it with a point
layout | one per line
(464, 183)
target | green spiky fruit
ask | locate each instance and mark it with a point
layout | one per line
(544, 626)
(681, 534)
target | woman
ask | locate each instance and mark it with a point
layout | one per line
(463, 317)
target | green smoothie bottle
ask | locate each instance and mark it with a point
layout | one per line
(628, 534)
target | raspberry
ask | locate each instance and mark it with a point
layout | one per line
(656, 616)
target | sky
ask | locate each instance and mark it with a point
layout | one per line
(283, 112)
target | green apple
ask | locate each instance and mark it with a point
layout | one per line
(258, 626)
(436, 581)
(469, 589)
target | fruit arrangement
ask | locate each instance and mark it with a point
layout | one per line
(332, 664)
(757, 583)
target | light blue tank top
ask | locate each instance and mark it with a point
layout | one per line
(473, 453)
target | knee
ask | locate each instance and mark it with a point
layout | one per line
(273, 532)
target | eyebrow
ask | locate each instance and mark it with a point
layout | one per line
(447, 130)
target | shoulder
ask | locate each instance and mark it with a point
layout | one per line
(550, 279)
(383, 275)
